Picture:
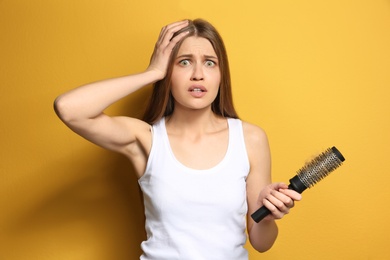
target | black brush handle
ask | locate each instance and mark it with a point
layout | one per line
(261, 213)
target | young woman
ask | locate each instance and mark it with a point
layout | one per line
(201, 169)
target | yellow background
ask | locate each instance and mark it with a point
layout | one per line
(312, 73)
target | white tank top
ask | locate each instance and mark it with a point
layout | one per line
(195, 214)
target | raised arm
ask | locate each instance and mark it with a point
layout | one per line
(81, 109)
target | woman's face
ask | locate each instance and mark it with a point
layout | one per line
(195, 76)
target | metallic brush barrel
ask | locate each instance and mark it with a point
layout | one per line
(317, 169)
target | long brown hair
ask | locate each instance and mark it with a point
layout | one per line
(161, 102)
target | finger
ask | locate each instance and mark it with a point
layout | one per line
(276, 213)
(278, 186)
(168, 31)
(178, 23)
(281, 201)
(288, 197)
(282, 185)
(164, 30)
(177, 38)
(292, 194)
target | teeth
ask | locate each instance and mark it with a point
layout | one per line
(196, 90)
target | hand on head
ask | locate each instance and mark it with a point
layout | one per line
(164, 46)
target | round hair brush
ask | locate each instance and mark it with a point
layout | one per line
(308, 175)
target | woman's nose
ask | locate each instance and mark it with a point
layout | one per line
(197, 73)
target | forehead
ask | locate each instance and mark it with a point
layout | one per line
(196, 45)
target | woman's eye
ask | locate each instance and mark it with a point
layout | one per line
(210, 63)
(184, 62)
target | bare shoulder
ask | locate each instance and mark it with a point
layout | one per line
(257, 146)
(254, 135)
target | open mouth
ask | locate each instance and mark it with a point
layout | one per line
(197, 90)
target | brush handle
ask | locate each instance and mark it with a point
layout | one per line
(261, 213)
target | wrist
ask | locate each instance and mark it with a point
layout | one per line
(155, 74)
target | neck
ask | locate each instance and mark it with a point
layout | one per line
(199, 121)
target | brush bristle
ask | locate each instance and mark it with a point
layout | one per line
(320, 167)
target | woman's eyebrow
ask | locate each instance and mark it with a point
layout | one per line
(191, 56)
(210, 57)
